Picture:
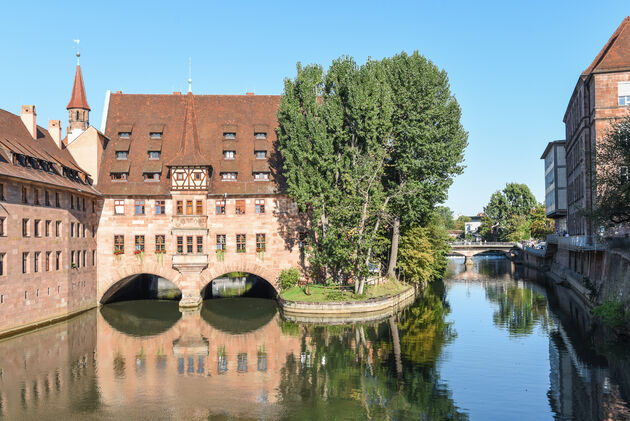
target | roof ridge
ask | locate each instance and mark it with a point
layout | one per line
(190, 151)
(607, 47)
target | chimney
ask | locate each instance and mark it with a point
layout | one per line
(29, 118)
(54, 128)
(249, 93)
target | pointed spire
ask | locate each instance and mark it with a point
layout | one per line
(78, 99)
(189, 153)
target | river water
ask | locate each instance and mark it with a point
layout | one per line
(487, 344)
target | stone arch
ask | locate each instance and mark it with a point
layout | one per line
(123, 272)
(259, 269)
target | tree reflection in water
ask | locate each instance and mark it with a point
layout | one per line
(384, 370)
(520, 310)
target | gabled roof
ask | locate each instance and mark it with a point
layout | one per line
(189, 153)
(615, 55)
(78, 98)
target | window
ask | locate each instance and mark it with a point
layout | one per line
(82, 203)
(119, 207)
(139, 207)
(199, 244)
(71, 201)
(47, 263)
(260, 206)
(260, 154)
(84, 261)
(160, 207)
(119, 176)
(623, 93)
(2, 257)
(47, 228)
(179, 176)
(124, 135)
(197, 176)
(46, 197)
(261, 176)
(93, 257)
(199, 207)
(57, 260)
(25, 227)
(180, 245)
(1, 191)
(229, 154)
(36, 195)
(24, 195)
(71, 229)
(154, 155)
(189, 244)
(57, 202)
(189, 207)
(229, 135)
(2, 219)
(624, 174)
(160, 243)
(36, 261)
(93, 206)
(220, 206)
(242, 362)
(240, 243)
(240, 207)
(260, 135)
(73, 262)
(24, 262)
(180, 207)
(260, 243)
(139, 242)
(228, 176)
(155, 135)
(57, 228)
(121, 155)
(36, 225)
(119, 244)
(221, 242)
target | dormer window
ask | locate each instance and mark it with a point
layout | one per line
(261, 154)
(121, 154)
(229, 135)
(229, 154)
(154, 155)
(261, 176)
(228, 176)
(155, 135)
(260, 135)
(119, 176)
(124, 135)
(152, 176)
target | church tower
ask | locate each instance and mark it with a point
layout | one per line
(78, 108)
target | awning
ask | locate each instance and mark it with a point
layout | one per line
(120, 167)
(260, 166)
(261, 128)
(122, 145)
(229, 165)
(261, 145)
(229, 128)
(155, 145)
(152, 167)
(156, 128)
(125, 128)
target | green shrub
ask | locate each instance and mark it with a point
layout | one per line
(612, 313)
(288, 278)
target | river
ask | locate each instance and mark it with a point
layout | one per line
(486, 344)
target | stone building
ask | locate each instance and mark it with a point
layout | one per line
(556, 184)
(601, 95)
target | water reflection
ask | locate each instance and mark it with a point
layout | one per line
(486, 344)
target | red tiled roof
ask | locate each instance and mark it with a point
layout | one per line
(15, 138)
(615, 55)
(78, 98)
(193, 127)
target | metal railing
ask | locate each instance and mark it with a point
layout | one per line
(482, 244)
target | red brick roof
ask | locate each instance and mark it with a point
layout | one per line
(78, 98)
(615, 55)
(16, 139)
(193, 134)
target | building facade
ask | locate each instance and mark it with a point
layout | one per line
(556, 184)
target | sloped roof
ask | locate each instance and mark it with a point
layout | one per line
(185, 143)
(15, 138)
(615, 55)
(78, 98)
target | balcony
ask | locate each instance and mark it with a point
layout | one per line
(189, 222)
(190, 262)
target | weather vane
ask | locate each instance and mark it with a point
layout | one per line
(77, 41)
(189, 75)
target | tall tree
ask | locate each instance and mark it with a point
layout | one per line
(428, 142)
(507, 213)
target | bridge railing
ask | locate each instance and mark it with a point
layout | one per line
(482, 244)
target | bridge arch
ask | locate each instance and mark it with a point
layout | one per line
(267, 273)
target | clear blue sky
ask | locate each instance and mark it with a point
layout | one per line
(512, 65)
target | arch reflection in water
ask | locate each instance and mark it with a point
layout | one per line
(141, 317)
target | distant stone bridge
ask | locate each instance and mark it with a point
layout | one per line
(469, 249)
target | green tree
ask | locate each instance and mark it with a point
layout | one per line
(423, 253)
(460, 222)
(445, 216)
(507, 213)
(612, 161)
(540, 226)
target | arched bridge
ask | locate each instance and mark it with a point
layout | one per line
(469, 249)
